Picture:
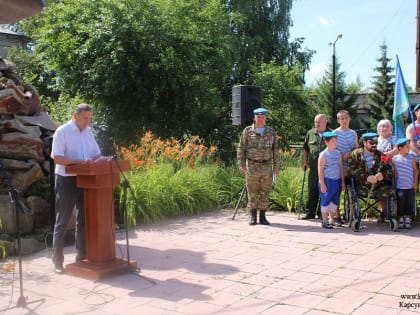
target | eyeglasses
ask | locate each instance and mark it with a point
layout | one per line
(259, 114)
(373, 142)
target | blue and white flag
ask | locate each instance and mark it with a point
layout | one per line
(401, 102)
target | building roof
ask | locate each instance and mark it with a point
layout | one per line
(362, 100)
(4, 30)
(9, 38)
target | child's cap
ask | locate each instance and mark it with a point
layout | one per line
(328, 135)
(416, 107)
(370, 136)
(401, 142)
(260, 111)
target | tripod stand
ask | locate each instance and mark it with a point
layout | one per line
(241, 193)
(14, 200)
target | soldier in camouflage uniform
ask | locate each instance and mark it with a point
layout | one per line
(258, 157)
(371, 171)
(312, 146)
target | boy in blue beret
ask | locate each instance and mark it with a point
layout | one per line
(406, 182)
(331, 179)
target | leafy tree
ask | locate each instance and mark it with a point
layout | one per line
(160, 66)
(284, 95)
(322, 96)
(261, 34)
(382, 96)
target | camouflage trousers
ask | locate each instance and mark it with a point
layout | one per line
(258, 184)
(379, 191)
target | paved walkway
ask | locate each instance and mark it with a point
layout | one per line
(210, 264)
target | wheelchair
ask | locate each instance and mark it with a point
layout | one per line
(353, 212)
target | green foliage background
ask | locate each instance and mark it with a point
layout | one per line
(163, 66)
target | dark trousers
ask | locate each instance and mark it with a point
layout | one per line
(313, 193)
(67, 195)
(406, 202)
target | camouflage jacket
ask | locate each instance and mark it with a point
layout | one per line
(254, 146)
(357, 167)
(314, 144)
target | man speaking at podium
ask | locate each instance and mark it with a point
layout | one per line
(73, 143)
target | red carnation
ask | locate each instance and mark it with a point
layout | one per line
(385, 159)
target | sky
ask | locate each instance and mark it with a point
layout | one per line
(364, 25)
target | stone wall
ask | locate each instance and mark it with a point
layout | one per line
(25, 141)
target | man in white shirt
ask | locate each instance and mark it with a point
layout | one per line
(73, 143)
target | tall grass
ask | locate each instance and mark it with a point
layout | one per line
(164, 192)
(174, 178)
(287, 192)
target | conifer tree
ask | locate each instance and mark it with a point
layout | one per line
(381, 98)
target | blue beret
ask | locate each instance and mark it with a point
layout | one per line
(260, 111)
(370, 135)
(416, 107)
(328, 135)
(401, 142)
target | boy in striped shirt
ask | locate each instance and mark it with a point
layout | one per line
(331, 178)
(347, 141)
(406, 182)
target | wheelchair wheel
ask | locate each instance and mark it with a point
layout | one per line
(355, 225)
(393, 225)
(348, 213)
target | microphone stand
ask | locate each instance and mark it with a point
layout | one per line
(14, 200)
(125, 185)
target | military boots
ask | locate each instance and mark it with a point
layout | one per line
(253, 219)
(263, 219)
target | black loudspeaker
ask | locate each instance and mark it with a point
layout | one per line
(245, 98)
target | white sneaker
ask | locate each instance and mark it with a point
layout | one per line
(401, 225)
(407, 223)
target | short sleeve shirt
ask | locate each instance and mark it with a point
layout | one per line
(70, 142)
(385, 145)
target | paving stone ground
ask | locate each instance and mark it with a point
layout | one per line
(211, 264)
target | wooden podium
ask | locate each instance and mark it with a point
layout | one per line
(98, 180)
